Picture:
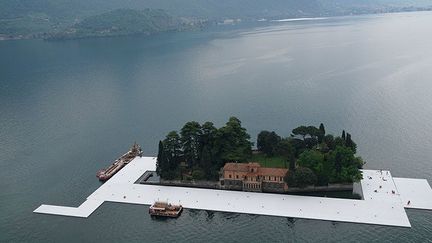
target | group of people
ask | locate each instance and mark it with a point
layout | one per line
(393, 191)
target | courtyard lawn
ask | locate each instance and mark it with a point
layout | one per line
(275, 161)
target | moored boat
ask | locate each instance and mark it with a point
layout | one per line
(164, 209)
(107, 173)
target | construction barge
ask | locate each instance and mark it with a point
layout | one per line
(163, 209)
(105, 174)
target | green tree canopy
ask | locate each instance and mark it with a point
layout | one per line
(301, 177)
(190, 140)
(312, 159)
(173, 153)
(287, 150)
(329, 141)
(172, 145)
(350, 143)
(346, 164)
(267, 142)
(233, 141)
(206, 149)
(309, 134)
(300, 131)
(162, 162)
(321, 133)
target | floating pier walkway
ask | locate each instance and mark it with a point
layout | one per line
(384, 198)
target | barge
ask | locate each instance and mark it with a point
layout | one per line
(106, 174)
(163, 209)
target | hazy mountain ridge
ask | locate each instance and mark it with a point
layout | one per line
(30, 18)
(126, 22)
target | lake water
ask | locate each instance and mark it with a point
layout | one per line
(67, 109)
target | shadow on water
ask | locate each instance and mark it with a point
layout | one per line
(161, 219)
(229, 216)
(290, 222)
(210, 215)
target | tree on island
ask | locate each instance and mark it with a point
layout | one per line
(312, 159)
(204, 148)
(190, 142)
(316, 161)
(329, 141)
(321, 133)
(312, 156)
(346, 165)
(173, 154)
(310, 135)
(350, 143)
(286, 149)
(162, 162)
(208, 157)
(301, 177)
(233, 142)
(331, 160)
(267, 142)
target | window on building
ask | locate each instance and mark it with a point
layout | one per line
(236, 176)
(229, 176)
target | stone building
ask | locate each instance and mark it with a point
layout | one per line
(253, 177)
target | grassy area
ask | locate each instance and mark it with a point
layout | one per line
(275, 161)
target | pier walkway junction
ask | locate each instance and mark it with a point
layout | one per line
(384, 198)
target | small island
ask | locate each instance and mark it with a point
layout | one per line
(212, 158)
(223, 158)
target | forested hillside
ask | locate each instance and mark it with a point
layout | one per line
(125, 22)
(34, 18)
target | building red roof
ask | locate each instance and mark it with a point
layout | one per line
(272, 171)
(262, 171)
(240, 167)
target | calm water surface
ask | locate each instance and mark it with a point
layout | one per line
(69, 108)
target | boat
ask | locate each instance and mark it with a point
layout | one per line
(164, 209)
(106, 174)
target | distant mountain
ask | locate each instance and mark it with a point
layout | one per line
(37, 18)
(125, 22)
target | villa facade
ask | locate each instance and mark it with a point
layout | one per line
(252, 177)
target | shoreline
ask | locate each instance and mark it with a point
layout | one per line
(215, 185)
(40, 36)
